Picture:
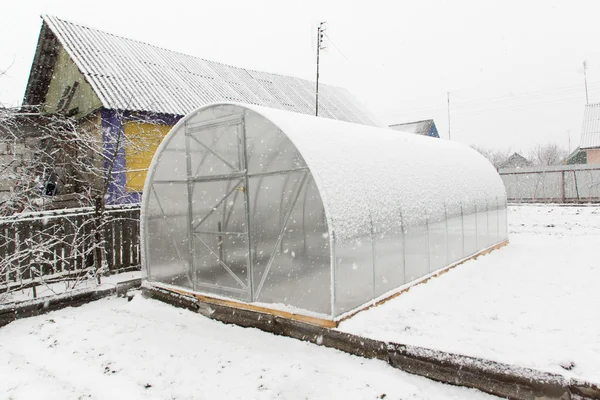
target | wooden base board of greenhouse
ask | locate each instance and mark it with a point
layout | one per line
(233, 305)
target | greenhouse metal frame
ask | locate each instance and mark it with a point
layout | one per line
(310, 215)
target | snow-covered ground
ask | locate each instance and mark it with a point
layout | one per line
(533, 303)
(143, 349)
(52, 289)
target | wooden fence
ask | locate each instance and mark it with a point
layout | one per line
(55, 245)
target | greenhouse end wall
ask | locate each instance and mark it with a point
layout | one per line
(215, 175)
(308, 214)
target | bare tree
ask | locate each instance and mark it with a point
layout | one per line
(548, 154)
(496, 157)
(57, 155)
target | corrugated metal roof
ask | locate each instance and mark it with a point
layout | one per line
(418, 127)
(130, 75)
(590, 132)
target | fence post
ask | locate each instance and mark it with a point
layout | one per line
(562, 186)
(135, 237)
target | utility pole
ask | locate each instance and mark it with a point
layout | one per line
(587, 101)
(448, 93)
(320, 33)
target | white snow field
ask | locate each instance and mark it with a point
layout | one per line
(534, 303)
(143, 349)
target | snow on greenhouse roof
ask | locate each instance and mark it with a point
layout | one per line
(424, 127)
(367, 176)
(130, 75)
(590, 132)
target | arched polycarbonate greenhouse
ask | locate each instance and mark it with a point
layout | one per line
(308, 214)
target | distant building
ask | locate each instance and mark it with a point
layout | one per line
(590, 133)
(577, 156)
(425, 128)
(515, 161)
(122, 87)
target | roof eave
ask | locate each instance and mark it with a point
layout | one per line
(42, 67)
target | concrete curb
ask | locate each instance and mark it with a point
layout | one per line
(12, 311)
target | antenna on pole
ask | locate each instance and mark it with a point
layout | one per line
(448, 93)
(320, 34)
(587, 101)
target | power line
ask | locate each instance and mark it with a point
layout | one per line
(336, 47)
(448, 115)
(499, 103)
(515, 106)
(538, 94)
(523, 100)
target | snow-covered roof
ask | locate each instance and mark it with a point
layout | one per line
(130, 75)
(425, 127)
(515, 161)
(590, 132)
(368, 173)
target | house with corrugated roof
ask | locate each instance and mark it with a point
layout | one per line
(120, 86)
(590, 133)
(577, 156)
(425, 127)
(515, 161)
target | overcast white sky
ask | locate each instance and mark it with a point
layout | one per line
(513, 68)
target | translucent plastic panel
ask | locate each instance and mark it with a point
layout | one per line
(212, 114)
(552, 184)
(483, 239)
(389, 259)
(493, 236)
(533, 185)
(353, 273)
(291, 253)
(219, 206)
(502, 223)
(214, 150)
(574, 182)
(172, 166)
(455, 239)
(586, 184)
(221, 264)
(416, 244)
(510, 184)
(220, 237)
(438, 245)
(268, 148)
(592, 184)
(167, 235)
(469, 229)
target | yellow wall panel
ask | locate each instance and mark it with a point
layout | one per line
(142, 139)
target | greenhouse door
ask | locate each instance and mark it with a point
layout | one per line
(218, 206)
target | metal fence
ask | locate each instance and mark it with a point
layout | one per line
(556, 184)
(56, 245)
